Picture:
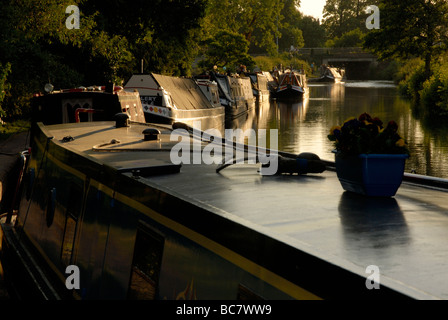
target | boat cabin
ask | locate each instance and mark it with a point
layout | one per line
(86, 104)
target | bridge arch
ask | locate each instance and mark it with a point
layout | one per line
(356, 61)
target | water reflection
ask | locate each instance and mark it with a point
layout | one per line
(244, 121)
(289, 113)
(372, 222)
(304, 126)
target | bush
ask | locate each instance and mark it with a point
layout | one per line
(4, 86)
(266, 63)
(434, 94)
(410, 78)
(353, 38)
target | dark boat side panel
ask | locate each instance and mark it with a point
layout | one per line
(193, 250)
(104, 232)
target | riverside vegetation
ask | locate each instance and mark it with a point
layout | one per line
(187, 37)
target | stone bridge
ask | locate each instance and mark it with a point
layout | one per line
(356, 61)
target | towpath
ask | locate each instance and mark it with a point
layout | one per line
(9, 150)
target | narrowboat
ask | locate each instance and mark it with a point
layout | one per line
(329, 74)
(272, 82)
(167, 99)
(292, 86)
(235, 93)
(260, 86)
(131, 210)
(210, 90)
(93, 103)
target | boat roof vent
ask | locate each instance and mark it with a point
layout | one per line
(151, 134)
(121, 120)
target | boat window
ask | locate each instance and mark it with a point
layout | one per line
(69, 107)
(146, 265)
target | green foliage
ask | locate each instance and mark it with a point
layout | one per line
(286, 60)
(353, 38)
(312, 31)
(410, 77)
(342, 16)
(258, 21)
(11, 128)
(227, 51)
(114, 36)
(434, 94)
(4, 86)
(429, 95)
(291, 33)
(410, 28)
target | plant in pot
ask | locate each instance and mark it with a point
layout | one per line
(369, 157)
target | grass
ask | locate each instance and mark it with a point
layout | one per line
(8, 129)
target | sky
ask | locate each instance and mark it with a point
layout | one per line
(312, 7)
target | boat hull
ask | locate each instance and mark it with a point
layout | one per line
(128, 216)
(210, 118)
(289, 93)
(167, 100)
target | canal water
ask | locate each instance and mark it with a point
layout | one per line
(304, 126)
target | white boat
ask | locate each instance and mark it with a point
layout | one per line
(167, 100)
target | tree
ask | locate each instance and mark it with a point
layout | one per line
(113, 37)
(4, 86)
(354, 38)
(162, 33)
(258, 21)
(342, 16)
(313, 32)
(411, 28)
(34, 41)
(291, 33)
(227, 51)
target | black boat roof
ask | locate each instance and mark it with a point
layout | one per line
(404, 236)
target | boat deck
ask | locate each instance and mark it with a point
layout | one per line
(404, 236)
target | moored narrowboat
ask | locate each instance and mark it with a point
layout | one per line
(93, 103)
(167, 99)
(330, 75)
(235, 93)
(131, 210)
(260, 87)
(292, 86)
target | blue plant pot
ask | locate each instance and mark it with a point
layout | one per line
(378, 175)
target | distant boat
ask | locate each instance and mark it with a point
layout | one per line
(167, 100)
(292, 85)
(272, 82)
(329, 74)
(210, 89)
(260, 86)
(235, 93)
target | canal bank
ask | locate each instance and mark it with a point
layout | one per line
(9, 150)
